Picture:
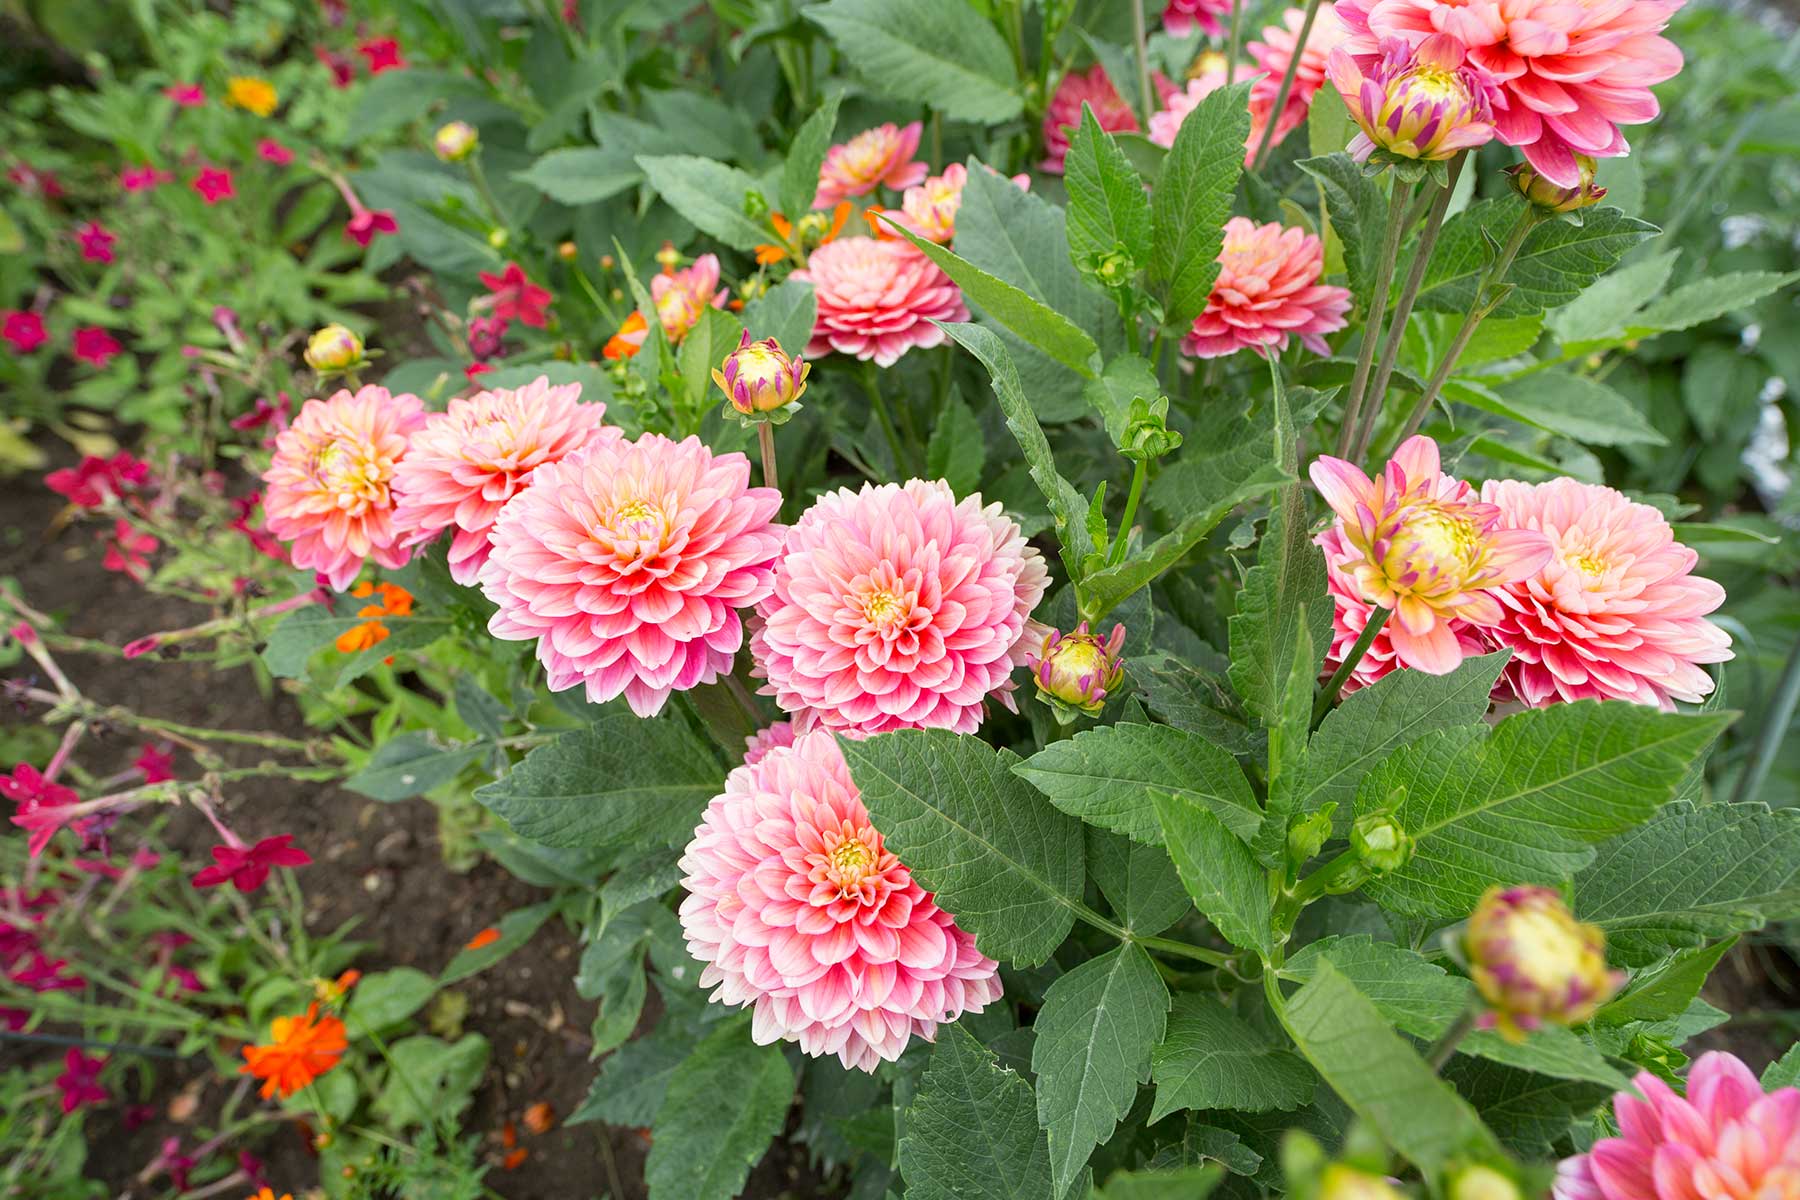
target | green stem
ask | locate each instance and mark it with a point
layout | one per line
(1287, 83)
(1399, 202)
(1141, 41)
(872, 384)
(1131, 506)
(1166, 945)
(1234, 39)
(1329, 694)
(765, 439)
(1319, 883)
(1774, 730)
(479, 177)
(1445, 1046)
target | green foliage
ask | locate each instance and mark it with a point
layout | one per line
(937, 52)
(1220, 873)
(971, 1133)
(1211, 1058)
(722, 1106)
(1109, 776)
(1193, 198)
(1109, 211)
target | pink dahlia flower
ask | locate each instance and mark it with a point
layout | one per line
(1268, 289)
(1182, 17)
(1275, 51)
(882, 155)
(799, 911)
(1614, 613)
(1726, 1140)
(897, 607)
(627, 562)
(1416, 103)
(1571, 73)
(1167, 122)
(758, 744)
(329, 488)
(877, 299)
(681, 296)
(469, 460)
(1425, 548)
(1093, 87)
(1351, 613)
(930, 208)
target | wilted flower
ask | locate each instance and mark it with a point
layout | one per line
(1272, 55)
(1268, 289)
(1614, 613)
(1554, 197)
(96, 242)
(486, 336)
(1533, 962)
(93, 345)
(251, 94)
(682, 295)
(799, 911)
(465, 463)
(1421, 104)
(23, 330)
(882, 155)
(300, 1049)
(878, 299)
(214, 184)
(1429, 550)
(516, 298)
(455, 141)
(333, 348)
(1182, 17)
(896, 607)
(759, 377)
(627, 563)
(1077, 670)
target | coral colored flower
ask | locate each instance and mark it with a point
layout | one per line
(95, 346)
(37, 800)
(1182, 17)
(186, 95)
(247, 867)
(629, 340)
(95, 480)
(1428, 549)
(898, 607)
(758, 744)
(341, 66)
(516, 298)
(1351, 612)
(1275, 51)
(329, 488)
(214, 184)
(1533, 962)
(366, 223)
(382, 54)
(142, 179)
(1571, 73)
(1726, 1140)
(1095, 88)
(79, 1082)
(1268, 289)
(877, 300)
(681, 296)
(486, 937)
(299, 1050)
(466, 462)
(882, 155)
(24, 331)
(628, 561)
(155, 764)
(1416, 103)
(251, 94)
(1615, 612)
(272, 151)
(800, 912)
(96, 242)
(931, 207)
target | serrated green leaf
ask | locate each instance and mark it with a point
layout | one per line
(1530, 1114)
(936, 52)
(722, 1108)
(709, 194)
(1125, 378)
(1109, 210)
(1218, 870)
(1357, 209)
(1193, 198)
(1784, 1071)
(971, 1132)
(1177, 1183)
(1664, 991)
(1211, 1058)
(632, 1082)
(1705, 300)
(786, 312)
(1604, 307)
(1572, 405)
(956, 451)
(583, 174)
(1556, 262)
(1138, 881)
(1287, 746)
(800, 172)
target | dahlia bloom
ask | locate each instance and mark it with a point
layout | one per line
(1272, 55)
(1095, 88)
(1351, 613)
(878, 299)
(799, 911)
(1571, 74)
(1533, 962)
(1078, 669)
(897, 607)
(1426, 548)
(758, 744)
(1268, 289)
(1725, 1139)
(1177, 105)
(1614, 613)
(1182, 17)
(329, 489)
(681, 296)
(882, 155)
(930, 208)
(1416, 103)
(466, 462)
(628, 561)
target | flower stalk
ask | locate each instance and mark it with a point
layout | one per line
(1329, 693)
(1399, 204)
(1287, 80)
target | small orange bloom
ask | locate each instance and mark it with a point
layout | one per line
(361, 637)
(299, 1051)
(509, 1135)
(251, 94)
(540, 1117)
(629, 340)
(330, 991)
(486, 937)
(269, 1194)
(396, 601)
(813, 233)
(514, 1158)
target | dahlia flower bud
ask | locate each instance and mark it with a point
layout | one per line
(1380, 843)
(759, 377)
(1147, 434)
(1553, 198)
(1483, 1183)
(334, 348)
(1075, 671)
(455, 142)
(1343, 1182)
(1533, 962)
(1423, 103)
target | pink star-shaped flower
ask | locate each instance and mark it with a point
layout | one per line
(156, 764)
(141, 179)
(24, 331)
(80, 1081)
(92, 481)
(365, 223)
(214, 184)
(95, 346)
(272, 151)
(247, 867)
(96, 242)
(516, 297)
(383, 54)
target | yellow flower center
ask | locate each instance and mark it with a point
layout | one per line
(884, 607)
(1432, 83)
(355, 475)
(1210, 62)
(1445, 537)
(1547, 948)
(851, 860)
(1590, 564)
(639, 519)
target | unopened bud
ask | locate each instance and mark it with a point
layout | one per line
(756, 205)
(497, 238)
(1307, 836)
(1380, 843)
(334, 348)
(1533, 962)
(759, 377)
(567, 251)
(668, 258)
(1147, 434)
(1343, 1182)
(1075, 671)
(1553, 197)
(456, 141)
(1483, 1183)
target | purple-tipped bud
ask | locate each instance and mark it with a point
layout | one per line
(1533, 962)
(1552, 198)
(333, 348)
(1078, 669)
(759, 377)
(455, 141)
(1424, 103)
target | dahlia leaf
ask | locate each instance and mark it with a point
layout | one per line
(722, 1108)
(935, 52)
(1383, 1079)
(1784, 1071)
(1105, 777)
(1193, 198)
(1574, 406)
(516, 928)
(1001, 860)
(1706, 300)
(800, 173)
(1529, 1113)
(385, 998)
(1138, 881)
(708, 193)
(714, 335)
(1109, 210)
(1525, 802)
(1557, 262)
(1178, 1183)
(1666, 990)
(956, 451)
(1125, 378)
(583, 174)
(1220, 873)
(1603, 308)
(1287, 750)
(632, 1081)
(429, 1079)
(971, 1132)
(1692, 874)
(1212, 1058)
(411, 764)
(305, 631)
(1356, 207)
(786, 312)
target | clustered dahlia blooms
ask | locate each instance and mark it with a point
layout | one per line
(873, 158)
(1095, 88)
(799, 911)
(1268, 289)
(877, 299)
(897, 606)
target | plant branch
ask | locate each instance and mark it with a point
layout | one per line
(1287, 82)
(1773, 732)
(1329, 694)
(1399, 202)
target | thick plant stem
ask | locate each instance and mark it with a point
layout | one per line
(1398, 205)
(1131, 507)
(1287, 84)
(1445, 1046)
(1409, 292)
(1235, 39)
(1141, 41)
(1774, 730)
(1377, 618)
(765, 438)
(872, 384)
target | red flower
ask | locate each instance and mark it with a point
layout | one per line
(516, 297)
(96, 346)
(44, 974)
(95, 480)
(80, 1081)
(37, 799)
(272, 151)
(186, 95)
(365, 223)
(157, 764)
(383, 54)
(476, 369)
(142, 179)
(247, 868)
(34, 182)
(23, 330)
(128, 551)
(343, 71)
(214, 184)
(96, 242)
(485, 336)
(176, 1164)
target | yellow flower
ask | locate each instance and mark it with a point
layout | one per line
(251, 94)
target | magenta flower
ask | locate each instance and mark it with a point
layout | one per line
(341, 66)
(186, 95)
(1423, 103)
(1095, 88)
(79, 1082)
(628, 562)
(681, 296)
(247, 867)
(38, 801)
(44, 974)
(898, 607)
(96, 242)
(800, 913)
(382, 54)
(516, 298)
(272, 151)
(758, 744)
(155, 763)
(24, 331)
(878, 299)
(1268, 289)
(95, 346)
(366, 224)
(142, 179)
(34, 182)
(214, 184)
(1182, 17)
(873, 158)
(486, 337)
(95, 480)
(128, 550)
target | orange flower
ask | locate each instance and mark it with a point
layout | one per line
(540, 1117)
(300, 1050)
(330, 991)
(396, 601)
(514, 1158)
(269, 1194)
(813, 233)
(486, 937)
(629, 340)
